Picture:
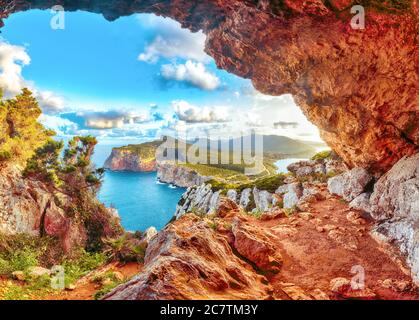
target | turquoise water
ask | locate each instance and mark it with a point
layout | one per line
(141, 201)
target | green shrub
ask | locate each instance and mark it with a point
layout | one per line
(106, 289)
(81, 264)
(5, 156)
(323, 155)
(126, 248)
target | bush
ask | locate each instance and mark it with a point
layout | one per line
(81, 264)
(126, 248)
(323, 155)
(5, 156)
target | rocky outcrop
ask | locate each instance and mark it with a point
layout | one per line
(396, 194)
(30, 207)
(293, 195)
(395, 203)
(188, 260)
(179, 175)
(126, 160)
(368, 113)
(350, 184)
(327, 167)
(255, 246)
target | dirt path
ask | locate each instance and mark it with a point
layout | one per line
(330, 241)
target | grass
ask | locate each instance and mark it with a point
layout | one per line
(21, 252)
(81, 264)
(323, 155)
(269, 183)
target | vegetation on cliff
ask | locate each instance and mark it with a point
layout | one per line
(20, 132)
(70, 179)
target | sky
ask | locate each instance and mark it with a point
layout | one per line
(136, 78)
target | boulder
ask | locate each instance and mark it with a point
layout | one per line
(361, 202)
(214, 202)
(263, 200)
(188, 260)
(291, 198)
(404, 234)
(256, 247)
(334, 167)
(282, 189)
(396, 194)
(350, 184)
(227, 207)
(232, 195)
(245, 198)
(305, 168)
(395, 204)
(38, 272)
(341, 287)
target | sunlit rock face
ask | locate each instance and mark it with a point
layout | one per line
(358, 86)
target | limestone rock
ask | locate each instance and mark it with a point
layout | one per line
(263, 200)
(334, 167)
(350, 184)
(361, 202)
(396, 194)
(245, 198)
(291, 198)
(37, 272)
(184, 177)
(232, 195)
(227, 207)
(305, 168)
(126, 160)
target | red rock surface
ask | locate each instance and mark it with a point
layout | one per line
(188, 260)
(358, 86)
(228, 258)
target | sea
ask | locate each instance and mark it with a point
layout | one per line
(140, 199)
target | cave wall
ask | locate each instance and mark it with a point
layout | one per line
(358, 86)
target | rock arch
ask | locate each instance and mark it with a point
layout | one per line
(358, 86)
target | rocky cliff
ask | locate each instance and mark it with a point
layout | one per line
(179, 176)
(358, 86)
(33, 207)
(126, 160)
(296, 242)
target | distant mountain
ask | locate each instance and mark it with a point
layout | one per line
(273, 145)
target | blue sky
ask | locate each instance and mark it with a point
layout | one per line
(132, 79)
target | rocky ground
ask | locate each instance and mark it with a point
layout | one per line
(309, 255)
(320, 232)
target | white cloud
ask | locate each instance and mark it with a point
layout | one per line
(192, 114)
(62, 127)
(172, 41)
(12, 60)
(192, 73)
(49, 102)
(113, 118)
